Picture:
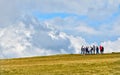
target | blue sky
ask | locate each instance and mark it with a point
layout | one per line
(46, 27)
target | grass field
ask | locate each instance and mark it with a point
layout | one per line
(72, 64)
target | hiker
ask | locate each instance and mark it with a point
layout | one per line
(87, 52)
(101, 49)
(82, 49)
(97, 50)
(93, 49)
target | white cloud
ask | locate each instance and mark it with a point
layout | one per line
(30, 38)
(13, 40)
(76, 43)
(86, 29)
(112, 46)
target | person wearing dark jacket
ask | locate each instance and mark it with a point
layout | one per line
(102, 49)
(97, 50)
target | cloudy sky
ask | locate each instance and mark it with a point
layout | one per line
(46, 27)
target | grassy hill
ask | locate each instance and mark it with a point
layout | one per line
(71, 64)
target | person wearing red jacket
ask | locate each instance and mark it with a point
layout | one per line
(100, 49)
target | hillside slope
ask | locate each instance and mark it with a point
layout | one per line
(72, 64)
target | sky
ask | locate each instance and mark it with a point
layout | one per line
(48, 27)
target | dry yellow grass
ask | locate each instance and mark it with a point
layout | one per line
(73, 64)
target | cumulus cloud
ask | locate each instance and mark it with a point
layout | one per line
(30, 38)
(13, 41)
(112, 46)
(76, 43)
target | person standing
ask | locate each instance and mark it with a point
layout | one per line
(82, 48)
(97, 50)
(100, 49)
(93, 49)
(87, 52)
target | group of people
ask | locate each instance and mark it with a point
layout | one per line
(92, 49)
